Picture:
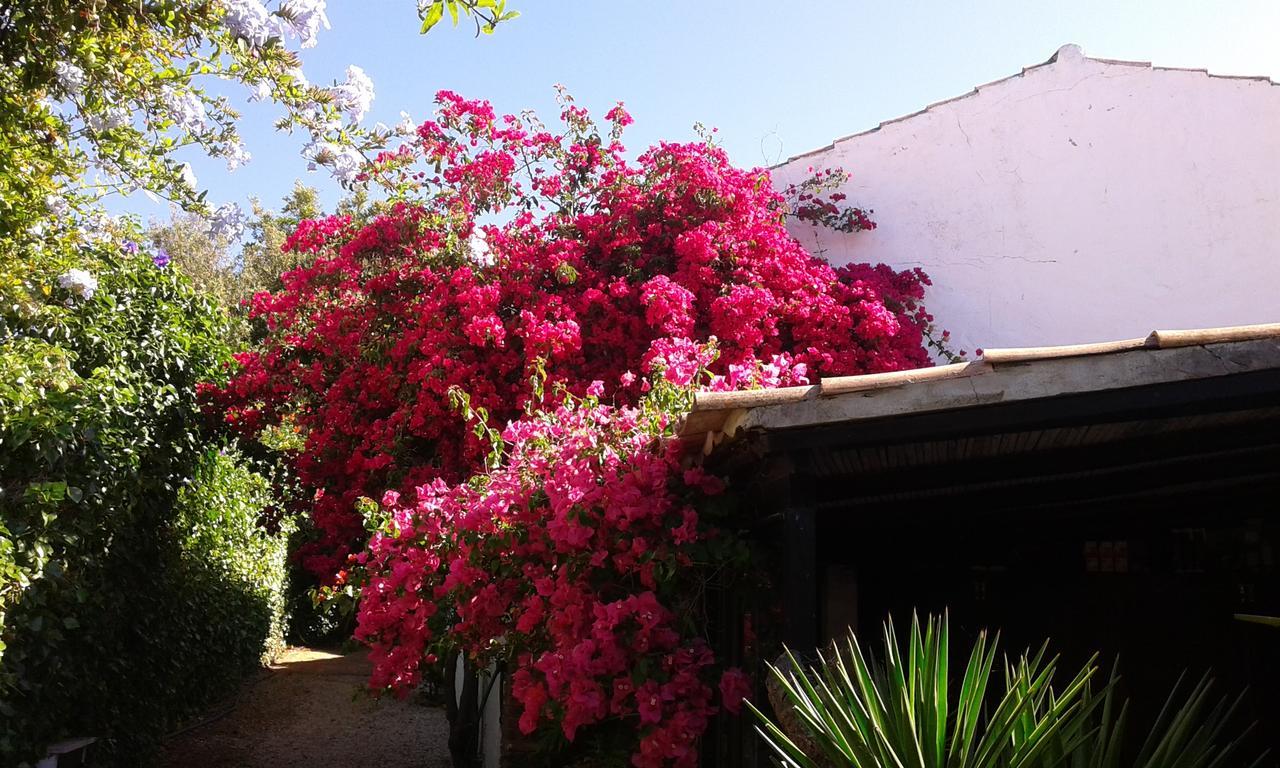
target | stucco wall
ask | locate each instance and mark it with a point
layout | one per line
(1081, 200)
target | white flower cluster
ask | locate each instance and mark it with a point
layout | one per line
(355, 95)
(70, 77)
(304, 18)
(343, 160)
(235, 154)
(57, 206)
(406, 126)
(250, 21)
(187, 109)
(114, 117)
(79, 283)
(96, 227)
(227, 221)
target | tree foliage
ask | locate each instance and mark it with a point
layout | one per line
(231, 273)
(99, 97)
(127, 598)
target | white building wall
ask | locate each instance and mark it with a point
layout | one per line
(1082, 200)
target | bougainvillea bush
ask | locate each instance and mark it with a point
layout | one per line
(570, 545)
(508, 246)
(576, 563)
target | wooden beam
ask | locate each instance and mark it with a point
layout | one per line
(995, 482)
(839, 385)
(751, 398)
(1171, 339)
(1023, 354)
(940, 409)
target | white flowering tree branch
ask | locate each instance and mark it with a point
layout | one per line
(97, 97)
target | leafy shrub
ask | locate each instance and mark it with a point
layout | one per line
(126, 599)
(219, 524)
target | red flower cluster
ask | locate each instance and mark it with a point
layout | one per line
(595, 267)
(572, 560)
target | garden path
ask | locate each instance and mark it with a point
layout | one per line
(306, 712)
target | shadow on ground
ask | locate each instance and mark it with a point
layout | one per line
(309, 711)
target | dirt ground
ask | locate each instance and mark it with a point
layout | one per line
(307, 712)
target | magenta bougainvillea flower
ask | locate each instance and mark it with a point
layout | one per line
(515, 261)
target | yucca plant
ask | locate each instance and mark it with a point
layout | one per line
(903, 712)
(1193, 730)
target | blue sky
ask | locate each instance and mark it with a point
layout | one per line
(776, 78)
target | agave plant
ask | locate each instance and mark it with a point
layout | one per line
(903, 712)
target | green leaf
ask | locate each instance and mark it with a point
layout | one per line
(432, 16)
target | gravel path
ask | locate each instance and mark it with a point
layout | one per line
(307, 712)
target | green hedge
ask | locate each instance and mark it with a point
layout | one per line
(136, 583)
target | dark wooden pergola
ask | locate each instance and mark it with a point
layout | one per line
(1117, 497)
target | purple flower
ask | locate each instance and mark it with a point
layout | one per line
(161, 258)
(130, 248)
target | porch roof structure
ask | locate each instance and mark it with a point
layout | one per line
(1127, 430)
(887, 493)
(1249, 355)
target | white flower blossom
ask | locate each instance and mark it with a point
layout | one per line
(250, 21)
(304, 18)
(236, 155)
(355, 95)
(70, 77)
(57, 206)
(298, 77)
(96, 227)
(228, 220)
(315, 152)
(187, 110)
(188, 175)
(79, 283)
(343, 161)
(347, 164)
(406, 126)
(319, 123)
(261, 91)
(111, 119)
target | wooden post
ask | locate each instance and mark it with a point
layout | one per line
(800, 556)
